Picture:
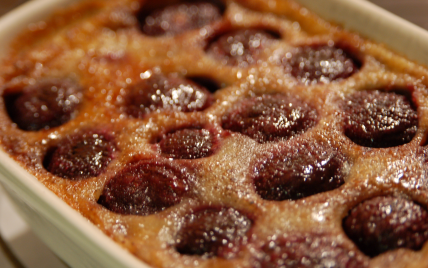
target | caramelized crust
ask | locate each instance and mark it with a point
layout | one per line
(300, 124)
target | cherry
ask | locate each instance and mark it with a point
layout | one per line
(81, 156)
(160, 93)
(308, 251)
(270, 118)
(213, 232)
(145, 187)
(379, 119)
(239, 47)
(187, 144)
(320, 63)
(299, 171)
(46, 104)
(179, 18)
(385, 223)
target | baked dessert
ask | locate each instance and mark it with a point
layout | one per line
(224, 133)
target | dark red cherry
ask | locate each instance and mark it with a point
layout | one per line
(379, 119)
(308, 251)
(46, 104)
(160, 93)
(146, 187)
(320, 63)
(301, 170)
(213, 232)
(188, 144)
(81, 156)
(386, 223)
(179, 18)
(270, 118)
(240, 47)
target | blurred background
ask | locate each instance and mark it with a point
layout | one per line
(7, 5)
(412, 10)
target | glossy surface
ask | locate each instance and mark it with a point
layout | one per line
(213, 232)
(81, 156)
(308, 251)
(159, 93)
(387, 223)
(179, 18)
(298, 171)
(145, 187)
(270, 117)
(241, 47)
(320, 64)
(379, 119)
(48, 103)
(187, 144)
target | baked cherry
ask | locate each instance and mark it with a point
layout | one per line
(179, 18)
(385, 223)
(160, 93)
(187, 144)
(270, 118)
(240, 47)
(379, 119)
(320, 63)
(299, 171)
(308, 251)
(213, 232)
(46, 104)
(146, 187)
(81, 156)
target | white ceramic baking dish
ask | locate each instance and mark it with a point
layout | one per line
(73, 238)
